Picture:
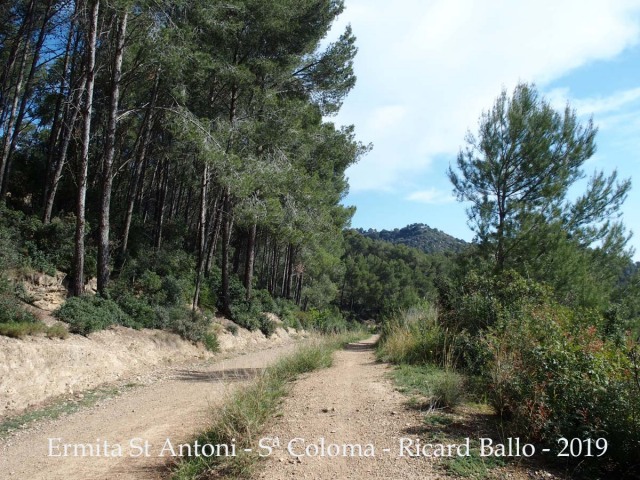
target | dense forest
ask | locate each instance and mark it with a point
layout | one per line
(178, 151)
(182, 154)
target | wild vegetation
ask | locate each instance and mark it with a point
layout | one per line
(182, 154)
(541, 313)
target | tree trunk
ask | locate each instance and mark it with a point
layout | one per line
(5, 75)
(202, 233)
(249, 260)
(292, 258)
(107, 164)
(152, 185)
(275, 260)
(72, 111)
(10, 122)
(299, 284)
(162, 201)
(57, 127)
(26, 94)
(226, 237)
(9, 106)
(92, 35)
(226, 212)
(138, 173)
(214, 234)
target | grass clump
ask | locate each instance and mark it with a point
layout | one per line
(424, 351)
(473, 466)
(244, 415)
(441, 388)
(23, 329)
(414, 336)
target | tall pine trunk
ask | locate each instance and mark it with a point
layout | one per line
(57, 128)
(226, 221)
(202, 234)
(107, 164)
(79, 253)
(249, 260)
(226, 237)
(8, 102)
(138, 173)
(26, 94)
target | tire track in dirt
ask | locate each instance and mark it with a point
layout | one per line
(351, 403)
(174, 407)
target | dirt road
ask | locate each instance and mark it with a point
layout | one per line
(352, 403)
(174, 407)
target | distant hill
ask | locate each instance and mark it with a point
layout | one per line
(420, 236)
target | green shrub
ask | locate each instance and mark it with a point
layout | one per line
(267, 326)
(237, 297)
(482, 300)
(327, 321)
(160, 278)
(247, 315)
(556, 377)
(26, 241)
(138, 310)
(10, 243)
(268, 304)
(89, 313)
(287, 311)
(188, 324)
(291, 321)
(210, 341)
(11, 311)
(49, 247)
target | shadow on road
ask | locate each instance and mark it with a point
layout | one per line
(360, 346)
(229, 375)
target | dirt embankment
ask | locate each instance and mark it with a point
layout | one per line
(173, 406)
(35, 369)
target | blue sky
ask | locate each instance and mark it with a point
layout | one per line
(428, 68)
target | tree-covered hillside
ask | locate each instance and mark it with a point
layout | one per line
(420, 236)
(179, 152)
(382, 278)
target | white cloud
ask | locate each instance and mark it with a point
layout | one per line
(618, 112)
(427, 68)
(597, 106)
(384, 119)
(611, 103)
(431, 196)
